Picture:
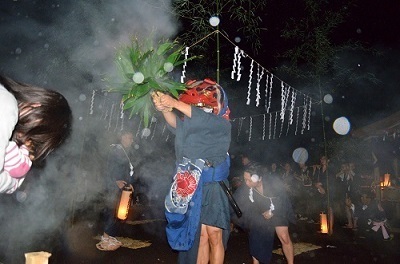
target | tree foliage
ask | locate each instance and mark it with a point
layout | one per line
(315, 54)
(242, 14)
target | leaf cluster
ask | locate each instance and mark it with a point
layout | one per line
(241, 13)
(154, 62)
(312, 35)
(315, 54)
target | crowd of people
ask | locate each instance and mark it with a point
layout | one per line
(272, 196)
(347, 196)
(198, 207)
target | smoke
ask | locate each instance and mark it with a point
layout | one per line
(69, 46)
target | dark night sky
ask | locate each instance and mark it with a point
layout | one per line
(375, 25)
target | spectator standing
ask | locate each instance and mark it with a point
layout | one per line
(303, 202)
(118, 172)
(325, 191)
(267, 208)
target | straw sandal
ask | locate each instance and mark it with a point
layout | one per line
(108, 244)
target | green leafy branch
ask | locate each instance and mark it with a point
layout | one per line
(143, 68)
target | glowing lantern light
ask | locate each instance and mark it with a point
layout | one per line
(324, 223)
(124, 203)
(386, 180)
(37, 257)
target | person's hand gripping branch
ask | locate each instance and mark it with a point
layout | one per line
(162, 102)
(165, 103)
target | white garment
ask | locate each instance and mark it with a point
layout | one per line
(8, 120)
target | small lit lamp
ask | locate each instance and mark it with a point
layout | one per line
(324, 223)
(386, 180)
(124, 202)
(37, 257)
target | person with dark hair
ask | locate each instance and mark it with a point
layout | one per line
(324, 190)
(370, 215)
(38, 118)
(287, 177)
(245, 159)
(266, 210)
(302, 205)
(118, 173)
(197, 208)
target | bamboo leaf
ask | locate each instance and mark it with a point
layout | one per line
(142, 57)
(163, 48)
(129, 103)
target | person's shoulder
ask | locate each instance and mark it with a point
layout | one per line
(198, 115)
(8, 109)
(7, 100)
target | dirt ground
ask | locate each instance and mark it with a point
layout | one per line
(144, 242)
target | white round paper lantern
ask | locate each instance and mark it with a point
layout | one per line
(300, 155)
(138, 77)
(341, 125)
(214, 21)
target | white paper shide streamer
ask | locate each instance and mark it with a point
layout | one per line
(259, 77)
(250, 82)
(304, 120)
(239, 65)
(250, 128)
(92, 102)
(184, 65)
(235, 60)
(293, 101)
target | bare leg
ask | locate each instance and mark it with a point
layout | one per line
(211, 248)
(203, 255)
(217, 250)
(255, 261)
(287, 245)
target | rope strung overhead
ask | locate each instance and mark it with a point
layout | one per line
(288, 94)
(294, 113)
